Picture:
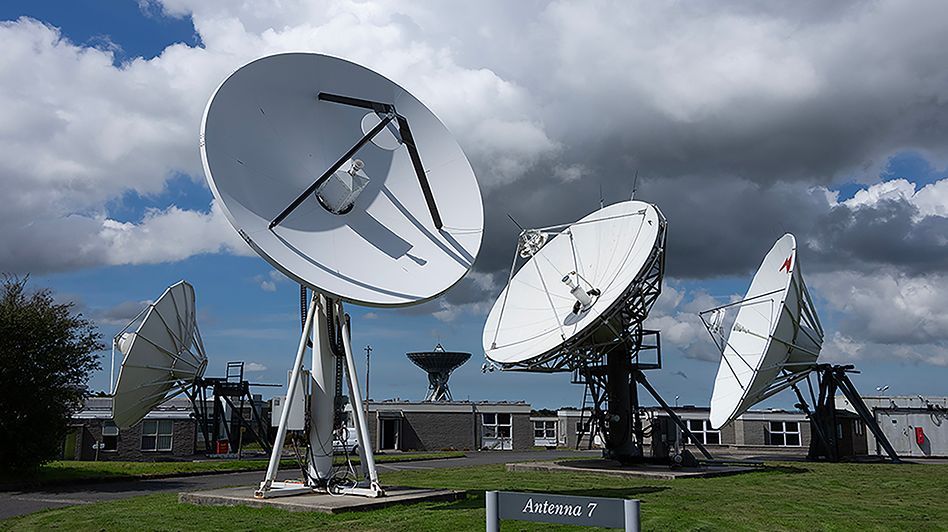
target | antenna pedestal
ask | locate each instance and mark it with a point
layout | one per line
(826, 444)
(329, 324)
(623, 442)
(617, 415)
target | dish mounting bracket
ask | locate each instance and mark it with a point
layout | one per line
(388, 113)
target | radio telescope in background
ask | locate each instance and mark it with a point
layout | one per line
(578, 303)
(774, 342)
(439, 364)
(346, 183)
(164, 357)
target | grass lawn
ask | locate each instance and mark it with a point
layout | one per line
(74, 471)
(787, 496)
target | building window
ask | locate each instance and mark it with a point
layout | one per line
(783, 433)
(498, 430)
(858, 427)
(544, 429)
(544, 433)
(702, 431)
(109, 436)
(156, 434)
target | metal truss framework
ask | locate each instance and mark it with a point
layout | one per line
(830, 379)
(230, 422)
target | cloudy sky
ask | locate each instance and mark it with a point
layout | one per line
(744, 122)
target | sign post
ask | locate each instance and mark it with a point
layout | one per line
(561, 509)
(98, 445)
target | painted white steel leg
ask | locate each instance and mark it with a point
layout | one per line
(322, 398)
(361, 424)
(277, 452)
(112, 370)
(357, 421)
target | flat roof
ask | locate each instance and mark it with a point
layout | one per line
(519, 407)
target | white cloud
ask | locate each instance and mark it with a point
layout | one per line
(254, 367)
(675, 314)
(886, 314)
(930, 200)
(269, 283)
(77, 132)
(168, 235)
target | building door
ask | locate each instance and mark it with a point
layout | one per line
(388, 435)
(69, 448)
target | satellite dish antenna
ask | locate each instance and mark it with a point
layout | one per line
(334, 207)
(349, 185)
(774, 340)
(773, 343)
(439, 364)
(163, 356)
(578, 303)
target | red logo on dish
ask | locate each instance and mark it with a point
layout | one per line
(786, 264)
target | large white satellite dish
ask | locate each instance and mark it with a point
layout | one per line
(349, 185)
(775, 338)
(578, 303)
(296, 153)
(163, 355)
(605, 253)
(774, 343)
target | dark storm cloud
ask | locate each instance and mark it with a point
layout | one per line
(724, 227)
(736, 116)
(884, 234)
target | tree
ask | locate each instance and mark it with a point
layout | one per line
(47, 354)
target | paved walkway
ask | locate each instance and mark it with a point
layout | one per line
(25, 502)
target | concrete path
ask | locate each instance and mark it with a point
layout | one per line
(13, 503)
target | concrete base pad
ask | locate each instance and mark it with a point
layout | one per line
(609, 467)
(318, 502)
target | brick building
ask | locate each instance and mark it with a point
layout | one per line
(455, 425)
(755, 431)
(167, 433)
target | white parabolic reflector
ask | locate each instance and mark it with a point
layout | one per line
(163, 355)
(369, 234)
(608, 249)
(775, 339)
